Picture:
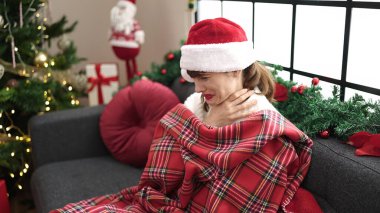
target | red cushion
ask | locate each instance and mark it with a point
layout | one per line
(128, 122)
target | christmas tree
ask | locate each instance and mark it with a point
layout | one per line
(32, 81)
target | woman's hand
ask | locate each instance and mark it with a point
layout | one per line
(234, 108)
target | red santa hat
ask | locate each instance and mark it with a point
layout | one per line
(216, 45)
(132, 1)
(128, 3)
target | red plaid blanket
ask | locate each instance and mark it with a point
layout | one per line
(255, 165)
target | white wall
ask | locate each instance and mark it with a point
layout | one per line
(165, 23)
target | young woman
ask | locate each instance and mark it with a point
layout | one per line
(227, 149)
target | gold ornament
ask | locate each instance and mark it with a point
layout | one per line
(41, 60)
(63, 43)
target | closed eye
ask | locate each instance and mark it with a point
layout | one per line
(203, 77)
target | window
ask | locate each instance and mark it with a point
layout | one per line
(337, 41)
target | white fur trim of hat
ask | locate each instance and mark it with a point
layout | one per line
(216, 45)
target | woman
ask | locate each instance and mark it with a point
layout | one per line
(226, 149)
(232, 87)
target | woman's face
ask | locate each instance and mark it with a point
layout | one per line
(217, 86)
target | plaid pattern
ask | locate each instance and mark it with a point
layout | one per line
(255, 165)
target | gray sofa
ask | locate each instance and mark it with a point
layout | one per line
(71, 163)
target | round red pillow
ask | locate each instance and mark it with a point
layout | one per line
(128, 122)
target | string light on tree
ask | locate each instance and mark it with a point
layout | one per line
(27, 35)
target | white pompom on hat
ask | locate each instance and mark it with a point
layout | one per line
(216, 45)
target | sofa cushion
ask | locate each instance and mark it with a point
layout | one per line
(128, 122)
(56, 184)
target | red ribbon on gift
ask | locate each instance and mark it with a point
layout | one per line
(98, 81)
(366, 143)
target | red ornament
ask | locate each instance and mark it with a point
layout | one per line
(301, 89)
(324, 134)
(281, 93)
(182, 80)
(12, 83)
(163, 71)
(294, 89)
(315, 81)
(170, 56)
(139, 73)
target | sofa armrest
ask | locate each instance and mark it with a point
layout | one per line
(347, 182)
(66, 135)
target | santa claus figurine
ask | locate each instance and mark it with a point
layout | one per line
(127, 36)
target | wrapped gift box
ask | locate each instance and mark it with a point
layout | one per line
(4, 204)
(103, 82)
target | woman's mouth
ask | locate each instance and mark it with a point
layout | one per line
(208, 97)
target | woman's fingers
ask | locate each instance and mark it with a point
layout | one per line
(245, 109)
(236, 95)
(242, 98)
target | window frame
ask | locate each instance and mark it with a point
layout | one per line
(349, 5)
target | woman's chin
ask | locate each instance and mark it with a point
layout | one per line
(212, 102)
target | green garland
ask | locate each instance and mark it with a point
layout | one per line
(314, 114)
(309, 111)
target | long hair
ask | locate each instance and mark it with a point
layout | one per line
(257, 75)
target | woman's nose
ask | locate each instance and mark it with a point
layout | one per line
(199, 87)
